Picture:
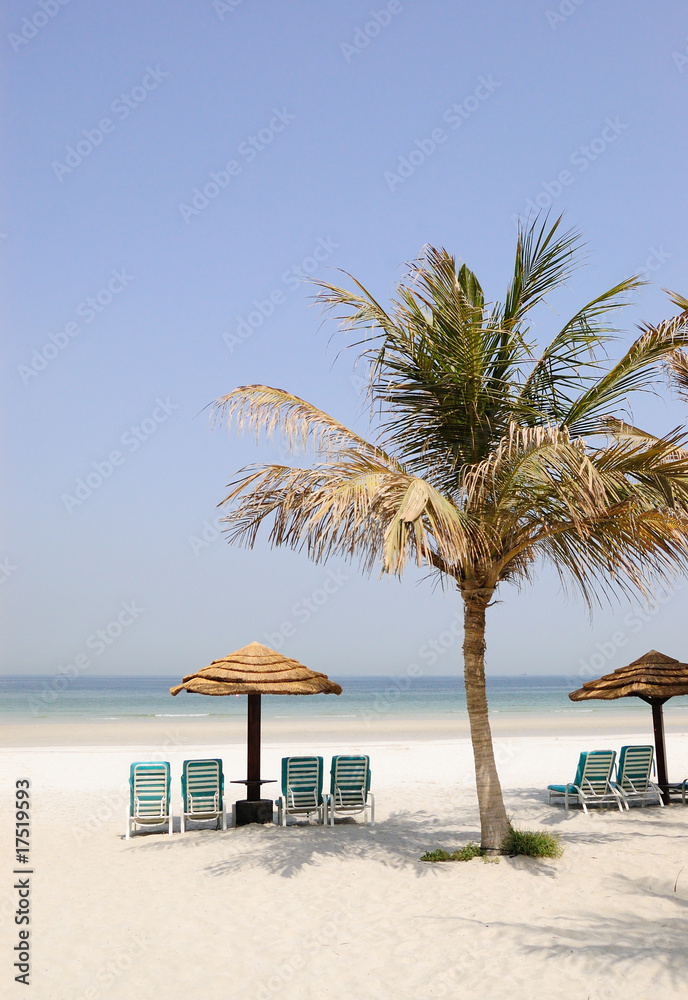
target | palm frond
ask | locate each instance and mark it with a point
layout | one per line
(680, 301)
(545, 259)
(351, 507)
(637, 370)
(572, 356)
(488, 458)
(264, 409)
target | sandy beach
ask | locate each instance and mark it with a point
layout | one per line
(346, 912)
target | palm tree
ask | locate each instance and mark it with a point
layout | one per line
(490, 456)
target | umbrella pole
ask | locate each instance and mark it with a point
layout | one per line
(253, 749)
(660, 745)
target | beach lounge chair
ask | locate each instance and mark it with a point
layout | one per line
(633, 775)
(678, 788)
(350, 788)
(149, 796)
(203, 792)
(302, 794)
(592, 783)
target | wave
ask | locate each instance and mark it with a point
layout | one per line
(181, 715)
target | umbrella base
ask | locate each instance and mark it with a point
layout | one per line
(678, 789)
(257, 811)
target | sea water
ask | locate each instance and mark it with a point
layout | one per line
(39, 698)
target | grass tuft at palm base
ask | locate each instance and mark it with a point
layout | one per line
(466, 853)
(532, 844)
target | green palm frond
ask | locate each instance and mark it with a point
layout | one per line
(545, 259)
(572, 358)
(490, 455)
(638, 370)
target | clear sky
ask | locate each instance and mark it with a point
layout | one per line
(171, 168)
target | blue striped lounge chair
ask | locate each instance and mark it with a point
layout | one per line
(203, 787)
(592, 783)
(634, 776)
(149, 796)
(302, 794)
(350, 788)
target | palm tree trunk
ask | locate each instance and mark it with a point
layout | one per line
(494, 824)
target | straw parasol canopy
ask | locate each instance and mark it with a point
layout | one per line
(653, 677)
(255, 670)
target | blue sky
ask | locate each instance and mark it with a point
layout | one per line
(120, 123)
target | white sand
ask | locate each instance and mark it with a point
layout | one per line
(350, 912)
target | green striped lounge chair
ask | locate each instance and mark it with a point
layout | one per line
(302, 794)
(350, 788)
(149, 796)
(203, 787)
(592, 783)
(634, 776)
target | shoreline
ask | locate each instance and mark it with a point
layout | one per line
(232, 730)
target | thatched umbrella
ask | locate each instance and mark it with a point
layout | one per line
(653, 677)
(255, 670)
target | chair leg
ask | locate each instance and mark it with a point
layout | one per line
(372, 808)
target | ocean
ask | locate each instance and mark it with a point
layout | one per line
(56, 698)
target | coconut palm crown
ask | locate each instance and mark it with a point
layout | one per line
(491, 454)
